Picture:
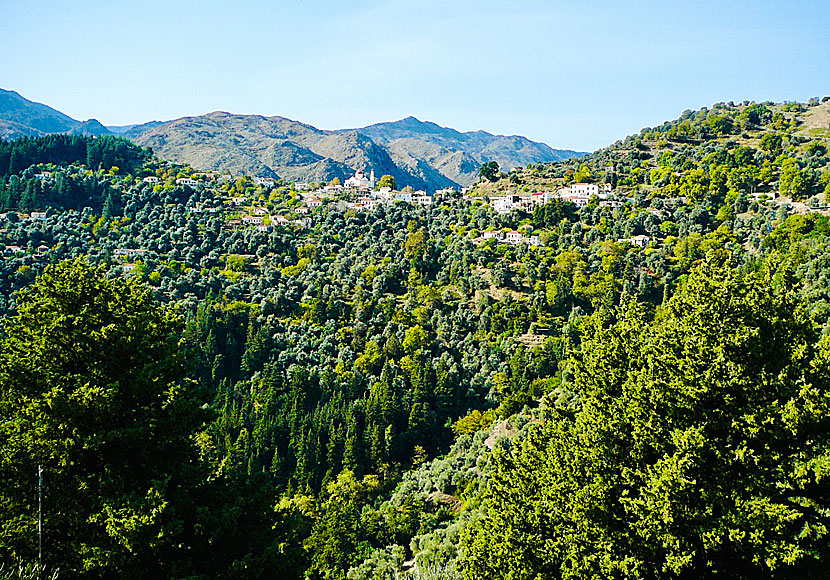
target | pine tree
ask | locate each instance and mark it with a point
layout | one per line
(699, 450)
(92, 390)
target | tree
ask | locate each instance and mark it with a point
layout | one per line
(336, 535)
(91, 374)
(771, 143)
(793, 181)
(700, 449)
(489, 171)
(388, 181)
(720, 125)
(755, 114)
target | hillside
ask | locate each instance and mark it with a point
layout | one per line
(423, 155)
(404, 391)
(458, 155)
(748, 143)
(420, 154)
(132, 131)
(20, 117)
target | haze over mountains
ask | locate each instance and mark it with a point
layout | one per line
(417, 153)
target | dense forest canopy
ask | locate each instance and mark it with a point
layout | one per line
(388, 393)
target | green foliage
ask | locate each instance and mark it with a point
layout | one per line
(720, 125)
(387, 181)
(366, 340)
(699, 449)
(381, 565)
(297, 268)
(755, 114)
(771, 143)
(92, 390)
(474, 421)
(489, 171)
(95, 152)
(334, 541)
(793, 182)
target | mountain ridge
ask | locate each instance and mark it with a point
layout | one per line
(20, 117)
(421, 154)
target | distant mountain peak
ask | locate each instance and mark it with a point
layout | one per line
(418, 153)
(23, 117)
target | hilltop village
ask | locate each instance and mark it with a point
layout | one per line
(265, 203)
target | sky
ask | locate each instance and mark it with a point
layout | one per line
(575, 75)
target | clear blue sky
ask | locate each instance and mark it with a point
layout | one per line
(576, 75)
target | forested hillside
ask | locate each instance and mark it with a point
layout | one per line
(386, 394)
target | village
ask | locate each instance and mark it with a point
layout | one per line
(360, 193)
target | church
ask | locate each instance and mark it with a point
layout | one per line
(360, 181)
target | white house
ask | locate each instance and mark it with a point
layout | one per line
(150, 179)
(493, 234)
(187, 181)
(527, 202)
(541, 197)
(639, 241)
(255, 220)
(610, 203)
(268, 182)
(313, 202)
(504, 204)
(578, 200)
(129, 251)
(513, 237)
(585, 189)
(421, 198)
(403, 196)
(360, 181)
(367, 203)
(38, 215)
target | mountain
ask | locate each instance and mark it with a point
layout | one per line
(133, 131)
(421, 154)
(458, 155)
(417, 153)
(20, 117)
(267, 146)
(278, 147)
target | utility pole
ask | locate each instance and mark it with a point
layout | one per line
(40, 520)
